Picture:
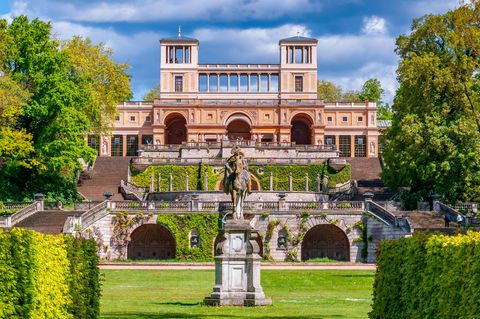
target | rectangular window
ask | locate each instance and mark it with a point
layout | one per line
(132, 118)
(345, 146)
(147, 139)
(360, 119)
(233, 83)
(147, 118)
(213, 83)
(360, 146)
(170, 55)
(298, 83)
(202, 83)
(306, 53)
(117, 145)
(187, 54)
(274, 83)
(117, 118)
(330, 140)
(264, 83)
(298, 55)
(253, 83)
(243, 83)
(178, 83)
(290, 55)
(344, 118)
(178, 54)
(93, 142)
(132, 145)
(329, 119)
(223, 83)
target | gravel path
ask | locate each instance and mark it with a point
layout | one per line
(211, 266)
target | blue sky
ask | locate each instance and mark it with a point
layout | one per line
(356, 37)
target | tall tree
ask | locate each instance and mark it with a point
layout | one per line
(153, 93)
(105, 79)
(372, 91)
(328, 91)
(434, 141)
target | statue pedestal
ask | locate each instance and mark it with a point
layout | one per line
(237, 268)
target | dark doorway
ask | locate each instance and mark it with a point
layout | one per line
(151, 241)
(301, 132)
(175, 129)
(239, 129)
(326, 241)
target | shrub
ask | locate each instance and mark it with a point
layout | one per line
(428, 277)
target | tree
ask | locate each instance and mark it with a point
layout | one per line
(434, 142)
(64, 98)
(351, 96)
(328, 91)
(372, 91)
(384, 112)
(153, 93)
(106, 80)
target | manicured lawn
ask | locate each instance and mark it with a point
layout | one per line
(296, 294)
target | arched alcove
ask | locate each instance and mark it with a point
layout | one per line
(239, 127)
(175, 129)
(301, 131)
(326, 241)
(151, 241)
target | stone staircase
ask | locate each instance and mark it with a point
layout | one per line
(106, 176)
(428, 221)
(47, 221)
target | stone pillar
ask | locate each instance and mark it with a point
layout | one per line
(159, 182)
(352, 145)
(325, 183)
(237, 268)
(170, 186)
(205, 181)
(306, 182)
(368, 198)
(271, 181)
(290, 182)
(124, 145)
(186, 181)
(151, 189)
(318, 184)
(195, 204)
(436, 203)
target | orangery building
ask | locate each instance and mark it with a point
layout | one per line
(268, 104)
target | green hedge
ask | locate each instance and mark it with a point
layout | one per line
(428, 277)
(262, 172)
(47, 276)
(207, 226)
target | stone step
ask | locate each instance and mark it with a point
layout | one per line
(48, 222)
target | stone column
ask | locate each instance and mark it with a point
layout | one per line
(170, 186)
(306, 182)
(151, 190)
(124, 145)
(159, 182)
(205, 181)
(271, 181)
(352, 145)
(318, 184)
(290, 182)
(186, 181)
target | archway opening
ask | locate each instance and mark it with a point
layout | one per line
(238, 127)
(175, 129)
(326, 241)
(301, 131)
(151, 241)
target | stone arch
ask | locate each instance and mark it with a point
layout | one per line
(326, 241)
(239, 125)
(301, 129)
(256, 186)
(175, 128)
(151, 241)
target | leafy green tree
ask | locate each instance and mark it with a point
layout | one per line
(105, 79)
(372, 91)
(152, 94)
(328, 91)
(63, 94)
(434, 141)
(384, 112)
(351, 96)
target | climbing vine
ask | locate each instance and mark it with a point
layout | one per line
(361, 225)
(268, 236)
(122, 227)
(180, 226)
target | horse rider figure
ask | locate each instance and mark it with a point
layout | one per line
(237, 181)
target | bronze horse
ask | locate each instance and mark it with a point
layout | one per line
(237, 181)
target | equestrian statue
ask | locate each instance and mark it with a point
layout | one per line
(237, 181)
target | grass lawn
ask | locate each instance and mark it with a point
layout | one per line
(296, 294)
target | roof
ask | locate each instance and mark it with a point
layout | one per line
(179, 38)
(299, 38)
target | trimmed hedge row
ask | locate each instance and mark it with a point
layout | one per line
(428, 277)
(262, 172)
(47, 276)
(180, 226)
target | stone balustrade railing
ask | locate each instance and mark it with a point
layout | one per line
(467, 207)
(15, 205)
(448, 211)
(22, 214)
(95, 213)
(387, 217)
(221, 162)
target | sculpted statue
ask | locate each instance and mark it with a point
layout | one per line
(237, 181)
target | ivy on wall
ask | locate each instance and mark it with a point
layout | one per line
(262, 172)
(207, 226)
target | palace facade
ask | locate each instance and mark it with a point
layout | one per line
(269, 103)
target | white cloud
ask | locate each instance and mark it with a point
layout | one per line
(374, 25)
(167, 10)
